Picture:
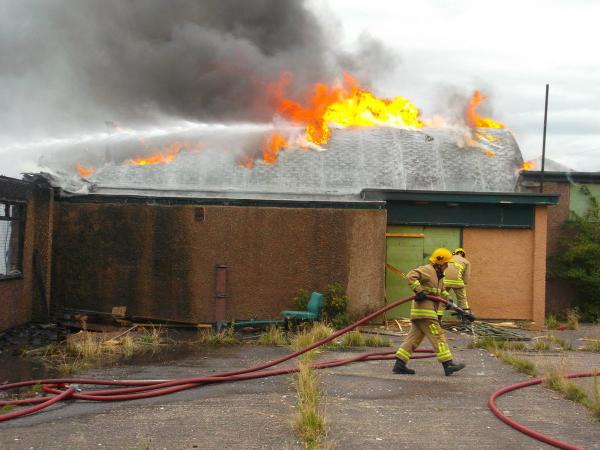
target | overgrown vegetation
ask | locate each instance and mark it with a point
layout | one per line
(225, 337)
(522, 365)
(273, 336)
(592, 347)
(310, 335)
(573, 319)
(554, 380)
(541, 345)
(492, 344)
(85, 349)
(335, 305)
(309, 422)
(552, 322)
(503, 349)
(577, 258)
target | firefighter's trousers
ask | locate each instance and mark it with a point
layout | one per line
(461, 295)
(419, 329)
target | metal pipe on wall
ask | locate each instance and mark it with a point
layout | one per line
(220, 294)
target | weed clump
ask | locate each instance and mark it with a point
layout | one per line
(273, 336)
(226, 337)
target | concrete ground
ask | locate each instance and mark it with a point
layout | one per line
(366, 406)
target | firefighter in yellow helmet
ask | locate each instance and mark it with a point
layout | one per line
(457, 276)
(426, 280)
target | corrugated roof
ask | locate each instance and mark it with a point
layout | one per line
(356, 158)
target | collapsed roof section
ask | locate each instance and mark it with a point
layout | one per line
(355, 159)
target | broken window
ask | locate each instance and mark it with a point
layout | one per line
(12, 221)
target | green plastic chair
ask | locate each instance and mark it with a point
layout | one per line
(313, 310)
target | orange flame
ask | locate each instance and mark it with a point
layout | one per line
(474, 119)
(165, 156)
(527, 165)
(247, 162)
(83, 171)
(275, 142)
(345, 105)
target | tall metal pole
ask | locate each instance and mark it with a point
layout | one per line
(544, 140)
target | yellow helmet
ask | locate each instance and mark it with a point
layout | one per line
(440, 256)
(459, 249)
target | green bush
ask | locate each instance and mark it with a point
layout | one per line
(301, 300)
(335, 306)
(577, 259)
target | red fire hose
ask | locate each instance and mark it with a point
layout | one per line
(522, 428)
(151, 388)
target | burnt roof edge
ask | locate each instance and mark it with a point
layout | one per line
(460, 197)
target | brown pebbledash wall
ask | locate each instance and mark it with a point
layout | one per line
(27, 297)
(159, 261)
(559, 293)
(508, 271)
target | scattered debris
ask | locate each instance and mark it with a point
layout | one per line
(484, 329)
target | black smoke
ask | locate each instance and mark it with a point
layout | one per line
(69, 65)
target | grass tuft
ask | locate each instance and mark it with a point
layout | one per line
(85, 349)
(226, 337)
(573, 317)
(564, 345)
(594, 403)
(592, 347)
(6, 408)
(519, 364)
(541, 345)
(571, 391)
(552, 322)
(310, 422)
(375, 340)
(309, 336)
(352, 339)
(492, 344)
(273, 336)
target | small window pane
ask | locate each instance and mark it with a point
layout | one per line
(11, 248)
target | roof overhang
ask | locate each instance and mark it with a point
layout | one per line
(517, 198)
(566, 177)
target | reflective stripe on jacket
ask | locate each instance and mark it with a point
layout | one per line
(458, 271)
(425, 278)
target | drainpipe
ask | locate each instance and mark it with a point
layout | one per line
(220, 295)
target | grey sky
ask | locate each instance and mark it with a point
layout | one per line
(509, 49)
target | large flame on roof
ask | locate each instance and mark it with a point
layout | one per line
(474, 120)
(344, 104)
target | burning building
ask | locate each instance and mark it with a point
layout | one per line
(350, 189)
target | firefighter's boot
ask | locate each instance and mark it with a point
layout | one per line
(400, 367)
(450, 367)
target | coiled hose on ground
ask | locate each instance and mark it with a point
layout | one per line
(138, 389)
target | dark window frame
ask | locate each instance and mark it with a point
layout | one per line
(15, 211)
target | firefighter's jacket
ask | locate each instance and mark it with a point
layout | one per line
(425, 278)
(458, 272)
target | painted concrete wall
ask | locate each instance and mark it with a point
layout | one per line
(579, 202)
(159, 261)
(27, 298)
(508, 271)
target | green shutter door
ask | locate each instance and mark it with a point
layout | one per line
(409, 247)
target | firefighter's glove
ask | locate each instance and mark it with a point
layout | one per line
(467, 316)
(420, 296)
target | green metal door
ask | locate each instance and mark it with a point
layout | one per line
(409, 247)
